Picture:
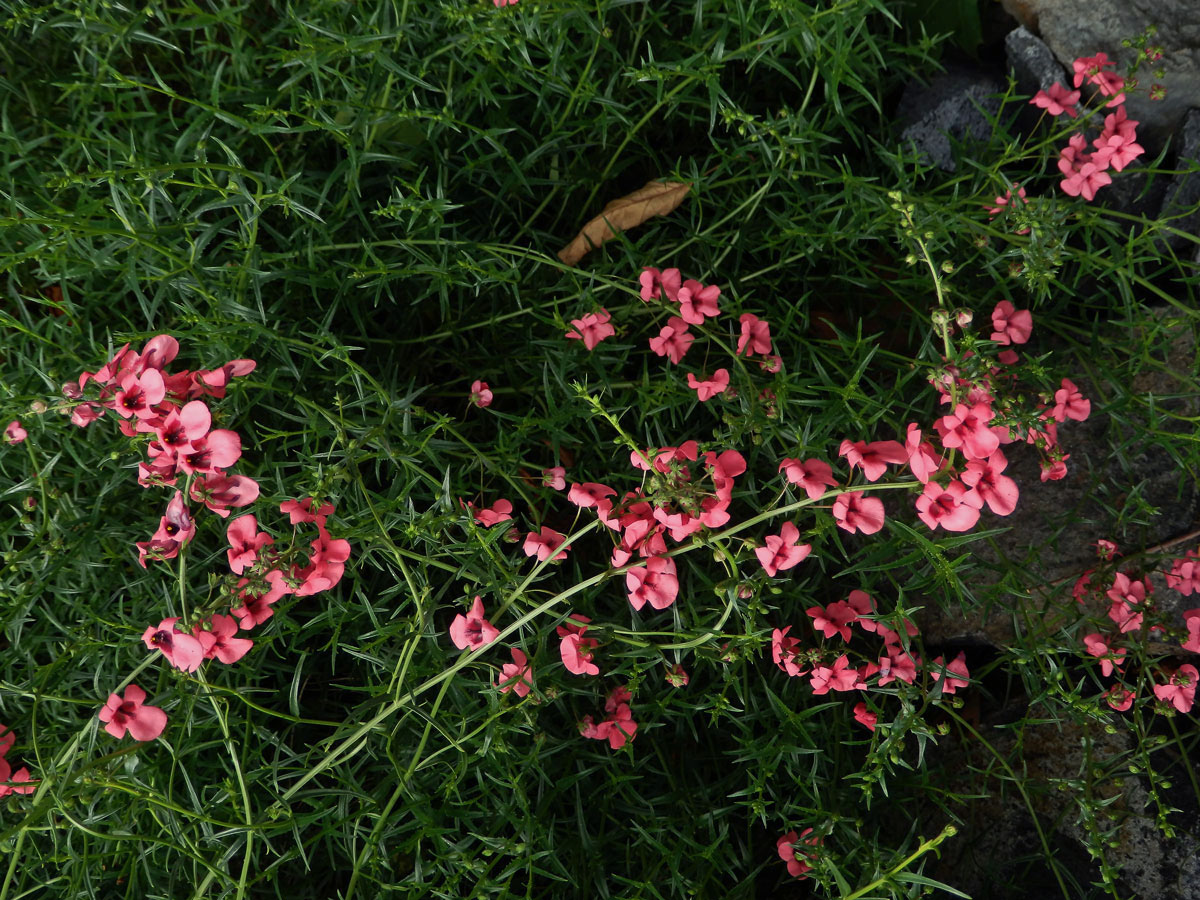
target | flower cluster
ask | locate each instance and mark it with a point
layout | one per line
(799, 861)
(690, 304)
(618, 725)
(170, 413)
(832, 670)
(1130, 604)
(1084, 172)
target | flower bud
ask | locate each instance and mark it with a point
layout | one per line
(37, 407)
(71, 391)
(940, 317)
(963, 316)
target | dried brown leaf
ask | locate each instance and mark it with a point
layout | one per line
(656, 198)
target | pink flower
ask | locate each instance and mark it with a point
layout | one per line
(302, 511)
(139, 394)
(783, 651)
(998, 491)
(128, 713)
(1055, 469)
(500, 511)
(812, 474)
(1119, 697)
(619, 726)
(181, 427)
(544, 544)
(1002, 203)
(839, 677)
(1191, 621)
(756, 336)
(898, 664)
(1069, 403)
(21, 783)
(481, 394)
(797, 868)
(873, 458)
(1116, 151)
(1185, 574)
(1057, 100)
(245, 540)
(326, 564)
(956, 673)
(515, 676)
(656, 284)
(677, 676)
(159, 351)
(14, 433)
(782, 551)
(157, 549)
(656, 583)
(834, 619)
(697, 301)
(1094, 70)
(865, 717)
(554, 478)
(473, 630)
(662, 459)
(952, 507)
(1181, 689)
(592, 329)
(500, 3)
(258, 599)
(706, 390)
(85, 414)
(1011, 325)
(1106, 550)
(1128, 598)
(220, 492)
(589, 495)
(575, 648)
(1098, 647)
(854, 511)
(1083, 173)
(182, 650)
(673, 340)
(212, 453)
(206, 383)
(968, 428)
(923, 460)
(177, 525)
(224, 647)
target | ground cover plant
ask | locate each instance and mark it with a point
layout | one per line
(520, 450)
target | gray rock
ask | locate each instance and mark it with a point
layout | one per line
(954, 106)
(985, 860)
(1034, 64)
(1182, 202)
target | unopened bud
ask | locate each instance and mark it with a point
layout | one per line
(37, 407)
(963, 317)
(940, 317)
(947, 267)
(71, 391)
